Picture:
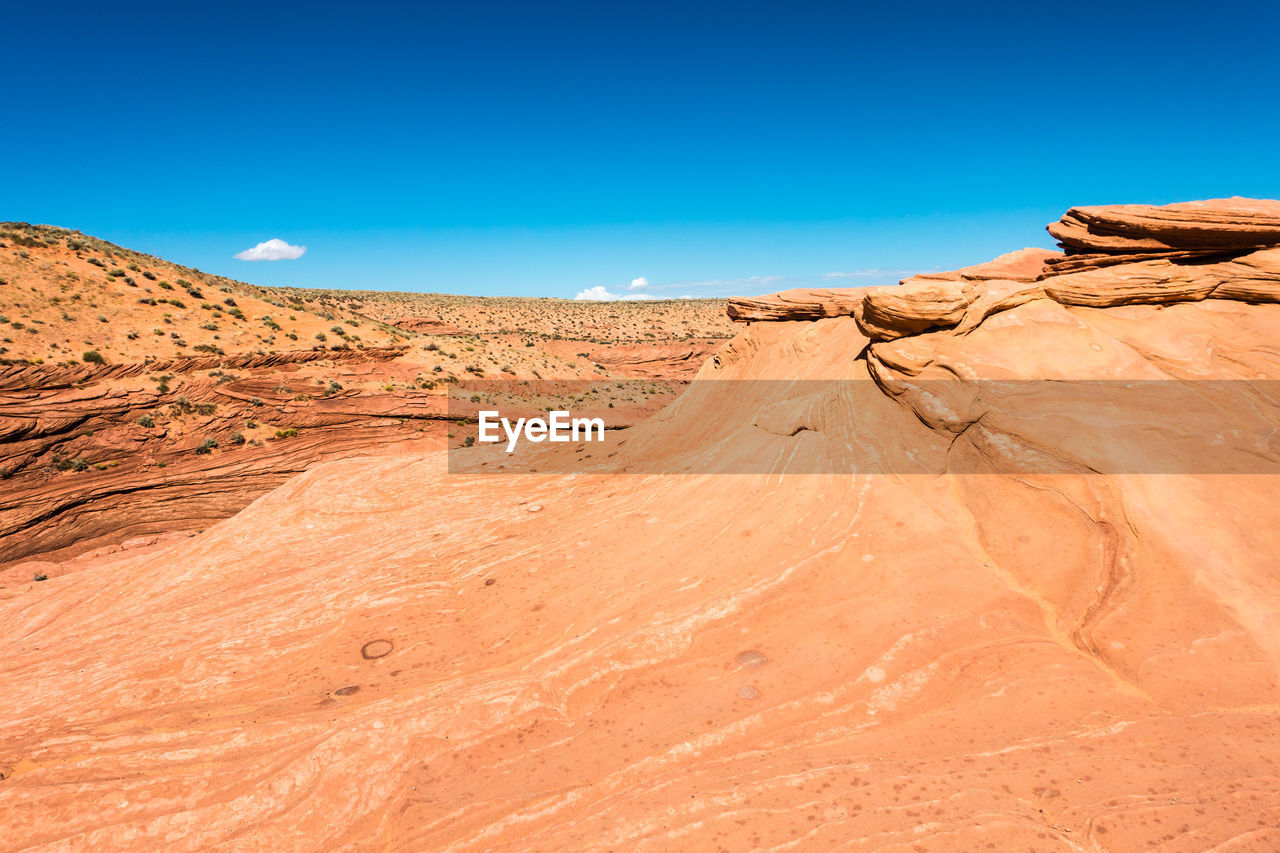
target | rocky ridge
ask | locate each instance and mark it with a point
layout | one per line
(1176, 264)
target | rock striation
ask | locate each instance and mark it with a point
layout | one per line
(966, 654)
(1119, 255)
(1218, 225)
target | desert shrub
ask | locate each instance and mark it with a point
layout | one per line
(166, 285)
(40, 576)
(237, 438)
(96, 262)
(320, 336)
(147, 300)
(146, 421)
(206, 447)
(149, 275)
(116, 273)
(286, 433)
(209, 348)
(255, 401)
(93, 357)
(334, 388)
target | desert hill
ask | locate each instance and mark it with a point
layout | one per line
(140, 397)
(870, 589)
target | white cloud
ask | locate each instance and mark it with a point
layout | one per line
(600, 293)
(638, 283)
(272, 250)
(880, 276)
(596, 294)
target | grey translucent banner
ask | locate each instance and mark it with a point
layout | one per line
(863, 426)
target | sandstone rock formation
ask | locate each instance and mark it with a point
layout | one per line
(1219, 225)
(1135, 254)
(181, 396)
(861, 618)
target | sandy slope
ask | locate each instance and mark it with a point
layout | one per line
(917, 655)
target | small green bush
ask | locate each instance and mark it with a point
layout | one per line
(93, 357)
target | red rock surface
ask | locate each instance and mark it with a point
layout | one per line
(381, 655)
(655, 361)
(1216, 225)
(428, 326)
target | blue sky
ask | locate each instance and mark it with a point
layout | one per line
(544, 149)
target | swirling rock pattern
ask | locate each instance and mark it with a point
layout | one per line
(766, 661)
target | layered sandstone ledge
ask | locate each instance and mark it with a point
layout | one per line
(1117, 255)
(26, 376)
(384, 655)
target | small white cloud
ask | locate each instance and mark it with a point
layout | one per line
(600, 293)
(597, 294)
(638, 283)
(272, 250)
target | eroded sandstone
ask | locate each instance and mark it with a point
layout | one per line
(959, 653)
